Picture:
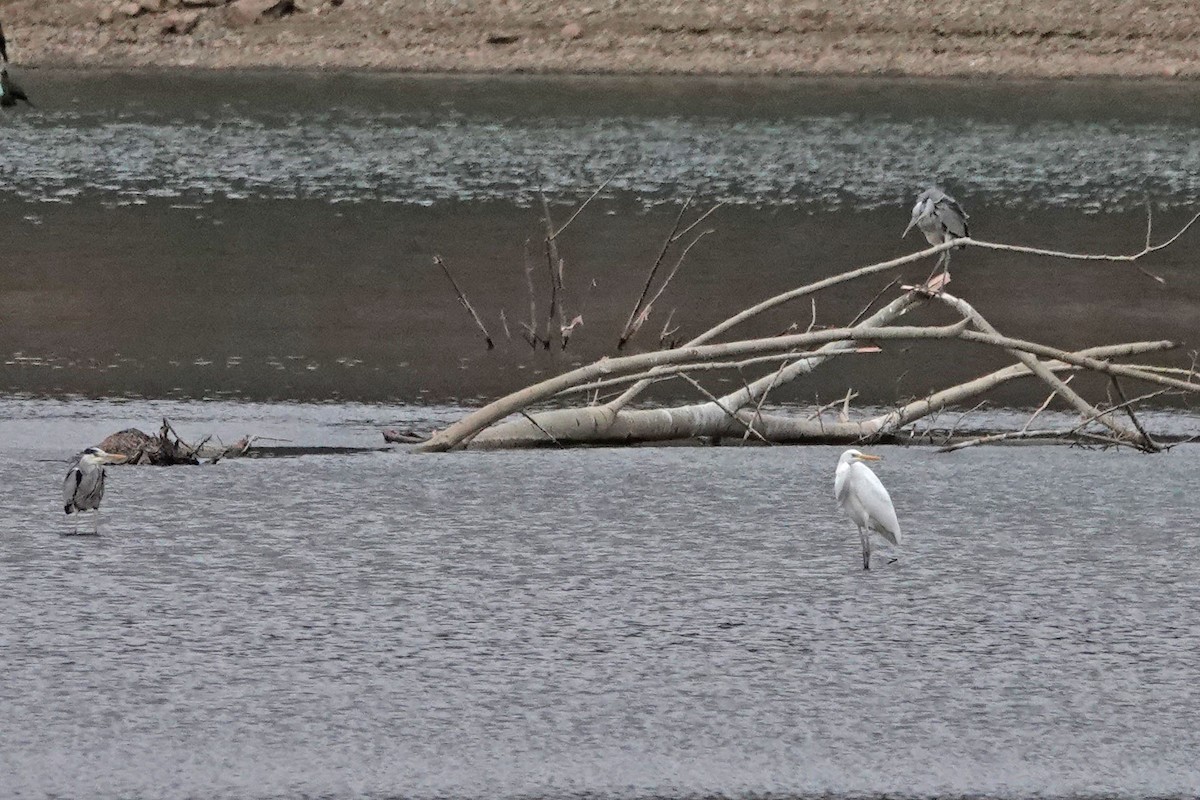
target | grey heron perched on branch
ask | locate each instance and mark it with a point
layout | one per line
(83, 488)
(941, 219)
(865, 500)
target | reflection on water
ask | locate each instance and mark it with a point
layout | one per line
(667, 623)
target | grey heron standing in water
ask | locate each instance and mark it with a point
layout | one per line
(10, 93)
(83, 488)
(864, 499)
(941, 219)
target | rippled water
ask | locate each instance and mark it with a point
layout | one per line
(625, 623)
(821, 144)
(339, 619)
(177, 235)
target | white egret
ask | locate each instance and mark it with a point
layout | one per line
(83, 488)
(864, 499)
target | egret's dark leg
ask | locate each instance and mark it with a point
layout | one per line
(866, 547)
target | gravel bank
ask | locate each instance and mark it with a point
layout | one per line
(1002, 38)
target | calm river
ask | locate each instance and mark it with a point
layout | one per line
(251, 253)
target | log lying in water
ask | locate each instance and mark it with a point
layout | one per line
(510, 422)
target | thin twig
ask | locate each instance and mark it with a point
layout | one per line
(558, 291)
(645, 312)
(762, 398)
(582, 206)
(462, 298)
(667, 329)
(535, 424)
(1064, 435)
(662, 253)
(1150, 274)
(701, 218)
(858, 317)
(1152, 446)
(1149, 222)
(749, 426)
(531, 328)
(851, 394)
(1037, 251)
(1045, 404)
(962, 416)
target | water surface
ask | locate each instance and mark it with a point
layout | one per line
(625, 623)
(251, 254)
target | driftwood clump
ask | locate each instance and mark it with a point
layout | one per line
(738, 416)
(168, 448)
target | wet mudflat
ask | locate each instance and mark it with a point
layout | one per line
(656, 622)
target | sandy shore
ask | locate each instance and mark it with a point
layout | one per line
(1053, 38)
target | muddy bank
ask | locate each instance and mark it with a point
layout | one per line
(1060, 38)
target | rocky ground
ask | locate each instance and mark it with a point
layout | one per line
(1046, 38)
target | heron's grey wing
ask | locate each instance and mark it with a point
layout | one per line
(70, 486)
(91, 489)
(952, 216)
(876, 501)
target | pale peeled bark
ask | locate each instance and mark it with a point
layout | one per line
(596, 425)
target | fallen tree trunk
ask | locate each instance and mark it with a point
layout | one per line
(509, 422)
(473, 423)
(596, 425)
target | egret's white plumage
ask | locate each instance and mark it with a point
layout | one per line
(865, 500)
(83, 488)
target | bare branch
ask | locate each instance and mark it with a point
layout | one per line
(537, 425)
(662, 253)
(664, 373)
(531, 327)
(462, 298)
(582, 206)
(1128, 406)
(645, 313)
(712, 398)
(1045, 404)
(1026, 357)
(858, 317)
(481, 418)
(700, 219)
(1037, 251)
(850, 395)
